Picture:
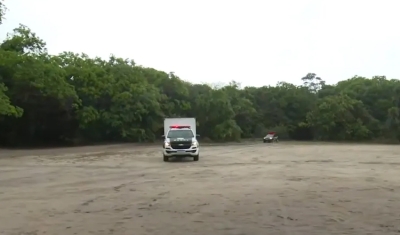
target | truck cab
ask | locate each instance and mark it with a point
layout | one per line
(180, 141)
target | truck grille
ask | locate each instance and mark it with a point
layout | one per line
(181, 145)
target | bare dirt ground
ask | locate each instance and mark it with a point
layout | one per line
(258, 189)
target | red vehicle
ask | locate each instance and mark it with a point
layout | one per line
(271, 137)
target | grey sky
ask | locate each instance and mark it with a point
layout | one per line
(254, 42)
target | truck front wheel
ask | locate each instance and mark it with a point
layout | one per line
(165, 158)
(196, 158)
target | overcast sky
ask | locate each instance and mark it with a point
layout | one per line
(254, 42)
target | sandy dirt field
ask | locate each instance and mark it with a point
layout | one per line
(284, 188)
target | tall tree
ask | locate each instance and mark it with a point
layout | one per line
(3, 10)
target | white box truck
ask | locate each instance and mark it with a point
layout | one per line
(180, 138)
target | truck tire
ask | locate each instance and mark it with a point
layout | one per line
(165, 158)
(196, 158)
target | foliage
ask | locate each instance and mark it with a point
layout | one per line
(67, 97)
(3, 10)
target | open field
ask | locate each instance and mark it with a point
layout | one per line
(256, 189)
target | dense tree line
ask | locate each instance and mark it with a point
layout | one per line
(72, 98)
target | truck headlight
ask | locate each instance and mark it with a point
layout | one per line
(166, 144)
(195, 143)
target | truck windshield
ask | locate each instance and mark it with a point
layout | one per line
(180, 134)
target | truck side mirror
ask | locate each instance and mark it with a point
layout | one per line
(197, 135)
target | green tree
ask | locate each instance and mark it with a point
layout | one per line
(3, 10)
(340, 117)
